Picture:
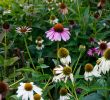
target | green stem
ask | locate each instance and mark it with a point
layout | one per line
(28, 53)
(57, 51)
(16, 82)
(77, 62)
(76, 97)
(47, 84)
(5, 53)
(14, 74)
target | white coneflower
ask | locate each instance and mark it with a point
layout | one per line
(50, 8)
(53, 19)
(40, 46)
(62, 74)
(39, 41)
(90, 71)
(37, 97)
(23, 30)
(26, 91)
(103, 64)
(64, 56)
(64, 95)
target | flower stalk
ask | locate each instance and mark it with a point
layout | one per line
(28, 52)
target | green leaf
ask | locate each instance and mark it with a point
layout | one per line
(1, 60)
(11, 61)
(26, 69)
(13, 97)
(40, 77)
(43, 66)
(93, 96)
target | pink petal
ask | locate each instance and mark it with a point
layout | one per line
(57, 36)
(65, 36)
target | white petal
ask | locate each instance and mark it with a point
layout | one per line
(37, 89)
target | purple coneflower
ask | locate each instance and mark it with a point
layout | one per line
(58, 33)
(92, 51)
(23, 30)
(103, 45)
(63, 8)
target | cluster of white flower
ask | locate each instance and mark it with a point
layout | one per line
(101, 68)
(29, 91)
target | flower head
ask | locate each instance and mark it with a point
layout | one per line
(3, 88)
(101, 4)
(97, 15)
(62, 52)
(6, 26)
(82, 48)
(90, 71)
(63, 8)
(103, 45)
(26, 91)
(23, 30)
(92, 51)
(72, 23)
(103, 63)
(53, 19)
(64, 95)
(62, 74)
(107, 54)
(58, 33)
(39, 40)
(39, 43)
(64, 56)
(37, 97)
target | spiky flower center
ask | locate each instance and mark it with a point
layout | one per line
(62, 6)
(63, 91)
(39, 44)
(71, 22)
(49, 0)
(62, 52)
(67, 70)
(23, 30)
(6, 26)
(88, 67)
(37, 97)
(3, 87)
(28, 87)
(107, 54)
(39, 38)
(103, 46)
(52, 17)
(58, 27)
